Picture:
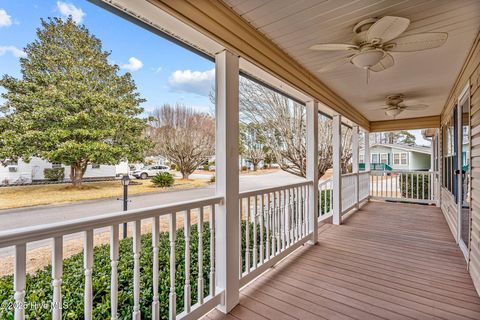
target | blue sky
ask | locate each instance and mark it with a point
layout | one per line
(163, 71)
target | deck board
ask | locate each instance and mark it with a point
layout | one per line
(387, 261)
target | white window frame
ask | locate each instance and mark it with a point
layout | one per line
(396, 161)
(95, 166)
(361, 158)
(56, 165)
(378, 157)
(386, 157)
(406, 158)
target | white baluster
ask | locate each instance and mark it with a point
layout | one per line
(19, 280)
(172, 295)
(155, 241)
(274, 224)
(186, 288)
(57, 271)
(136, 269)
(283, 213)
(200, 256)
(255, 212)
(262, 209)
(212, 251)
(114, 252)
(87, 265)
(267, 209)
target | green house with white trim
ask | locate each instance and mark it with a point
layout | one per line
(384, 156)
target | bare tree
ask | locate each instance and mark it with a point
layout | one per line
(283, 124)
(253, 144)
(184, 136)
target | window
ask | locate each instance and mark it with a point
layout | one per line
(375, 158)
(449, 153)
(12, 169)
(12, 163)
(361, 158)
(384, 158)
(95, 166)
(56, 165)
(404, 158)
(396, 158)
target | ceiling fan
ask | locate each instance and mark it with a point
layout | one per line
(373, 40)
(394, 105)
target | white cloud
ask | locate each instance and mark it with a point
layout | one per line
(199, 82)
(13, 50)
(68, 9)
(133, 64)
(5, 19)
(158, 70)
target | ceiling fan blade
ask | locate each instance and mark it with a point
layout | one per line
(333, 47)
(387, 28)
(386, 62)
(417, 107)
(335, 64)
(417, 42)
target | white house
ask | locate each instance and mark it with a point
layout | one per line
(398, 156)
(23, 172)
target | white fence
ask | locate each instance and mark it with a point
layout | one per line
(273, 223)
(408, 186)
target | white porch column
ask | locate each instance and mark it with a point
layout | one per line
(337, 168)
(355, 163)
(312, 168)
(227, 218)
(367, 151)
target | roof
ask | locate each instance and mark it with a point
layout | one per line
(415, 148)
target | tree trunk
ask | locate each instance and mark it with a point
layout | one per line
(76, 174)
(185, 175)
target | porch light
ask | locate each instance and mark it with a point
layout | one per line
(393, 112)
(367, 59)
(125, 180)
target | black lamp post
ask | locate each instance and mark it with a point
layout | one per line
(125, 182)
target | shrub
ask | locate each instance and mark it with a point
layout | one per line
(212, 178)
(244, 168)
(173, 166)
(324, 201)
(163, 179)
(39, 286)
(265, 166)
(205, 167)
(406, 182)
(54, 174)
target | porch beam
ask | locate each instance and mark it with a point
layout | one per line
(227, 184)
(337, 168)
(405, 124)
(312, 168)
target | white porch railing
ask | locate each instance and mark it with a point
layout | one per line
(408, 186)
(273, 223)
(19, 238)
(325, 203)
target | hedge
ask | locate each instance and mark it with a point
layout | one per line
(39, 287)
(54, 174)
(406, 186)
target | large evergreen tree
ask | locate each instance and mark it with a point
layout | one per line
(71, 106)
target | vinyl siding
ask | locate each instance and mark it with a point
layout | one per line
(470, 73)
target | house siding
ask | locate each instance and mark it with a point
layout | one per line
(470, 74)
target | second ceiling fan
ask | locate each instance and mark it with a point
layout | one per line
(375, 38)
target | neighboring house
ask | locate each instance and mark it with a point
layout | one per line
(23, 172)
(398, 157)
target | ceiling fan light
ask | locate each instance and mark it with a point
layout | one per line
(367, 59)
(393, 112)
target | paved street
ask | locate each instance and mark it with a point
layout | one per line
(23, 217)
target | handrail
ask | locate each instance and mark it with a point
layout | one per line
(273, 189)
(39, 232)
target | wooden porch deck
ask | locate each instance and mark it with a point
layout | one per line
(388, 261)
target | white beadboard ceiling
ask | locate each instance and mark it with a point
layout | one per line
(423, 77)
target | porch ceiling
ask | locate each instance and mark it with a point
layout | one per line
(424, 77)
